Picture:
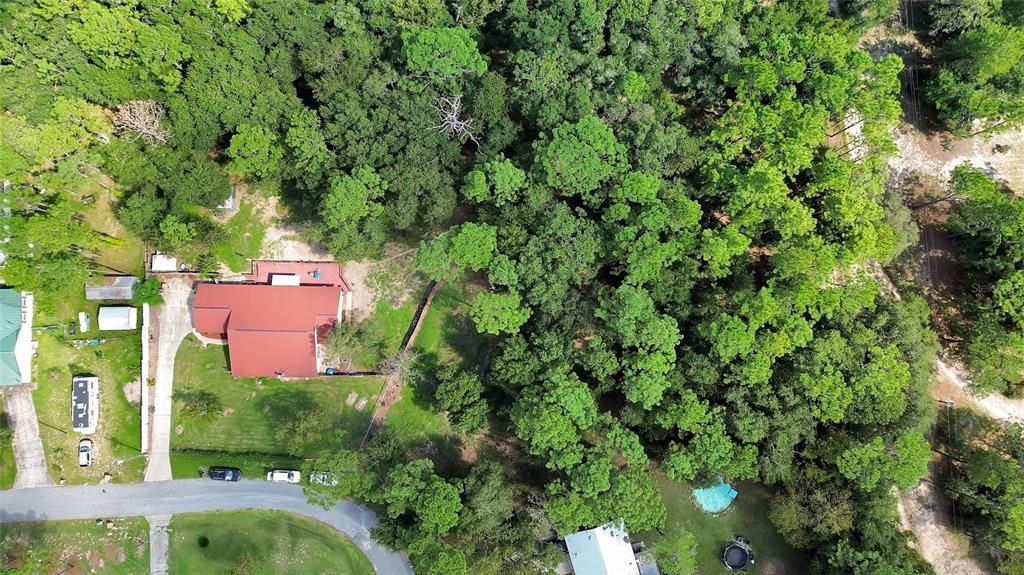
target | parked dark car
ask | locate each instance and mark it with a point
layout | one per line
(225, 473)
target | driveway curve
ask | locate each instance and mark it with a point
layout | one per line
(194, 496)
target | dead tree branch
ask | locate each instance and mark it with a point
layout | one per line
(449, 113)
(141, 119)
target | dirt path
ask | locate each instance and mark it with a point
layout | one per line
(926, 512)
(934, 155)
(29, 456)
(994, 405)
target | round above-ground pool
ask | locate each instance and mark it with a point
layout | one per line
(716, 498)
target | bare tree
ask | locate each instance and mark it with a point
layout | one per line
(401, 366)
(141, 119)
(449, 112)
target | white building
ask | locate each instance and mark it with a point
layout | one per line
(604, 550)
(85, 403)
(117, 318)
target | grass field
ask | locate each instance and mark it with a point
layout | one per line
(264, 542)
(123, 253)
(116, 362)
(77, 547)
(381, 334)
(8, 469)
(254, 410)
(748, 516)
(243, 237)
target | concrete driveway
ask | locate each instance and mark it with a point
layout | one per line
(175, 322)
(196, 495)
(28, 448)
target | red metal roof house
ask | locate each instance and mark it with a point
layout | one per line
(272, 329)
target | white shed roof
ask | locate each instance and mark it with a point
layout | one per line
(117, 318)
(604, 550)
(163, 263)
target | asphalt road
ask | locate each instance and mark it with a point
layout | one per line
(195, 495)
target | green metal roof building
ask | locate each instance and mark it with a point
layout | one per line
(15, 337)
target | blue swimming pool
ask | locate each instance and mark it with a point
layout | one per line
(715, 498)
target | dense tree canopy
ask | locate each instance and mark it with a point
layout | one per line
(668, 246)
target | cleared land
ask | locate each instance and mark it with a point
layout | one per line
(243, 237)
(265, 542)
(748, 516)
(253, 411)
(114, 547)
(116, 362)
(122, 252)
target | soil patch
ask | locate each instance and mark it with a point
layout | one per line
(133, 392)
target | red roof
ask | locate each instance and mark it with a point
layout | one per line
(329, 272)
(270, 329)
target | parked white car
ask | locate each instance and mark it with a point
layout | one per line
(284, 476)
(86, 452)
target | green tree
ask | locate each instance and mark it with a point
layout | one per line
(460, 393)
(677, 553)
(865, 464)
(254, 151)
(232, 10)
(579, 157)
(177, 233)
(147, 292)
(345, 476)
(414, 487)
(953, 16)
(469, 246)
(497, 313)
(307, 148)
(442, 53)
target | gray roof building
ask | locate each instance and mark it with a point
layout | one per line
(85, 403)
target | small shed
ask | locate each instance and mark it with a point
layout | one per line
(120, 288)
(117, 318)
(159, 262)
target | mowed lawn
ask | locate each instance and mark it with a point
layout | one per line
(120, 548)
(748, 516)
(381, 334)
(253, 410)
(243, 238)
(443, 337)
(118, 436)
(264, 542)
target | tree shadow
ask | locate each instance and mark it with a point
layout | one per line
(284, 405)
(422, 389)
(473, 348)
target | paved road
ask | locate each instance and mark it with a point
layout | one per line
(195, 495)
(28, 448)
(175, 324)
